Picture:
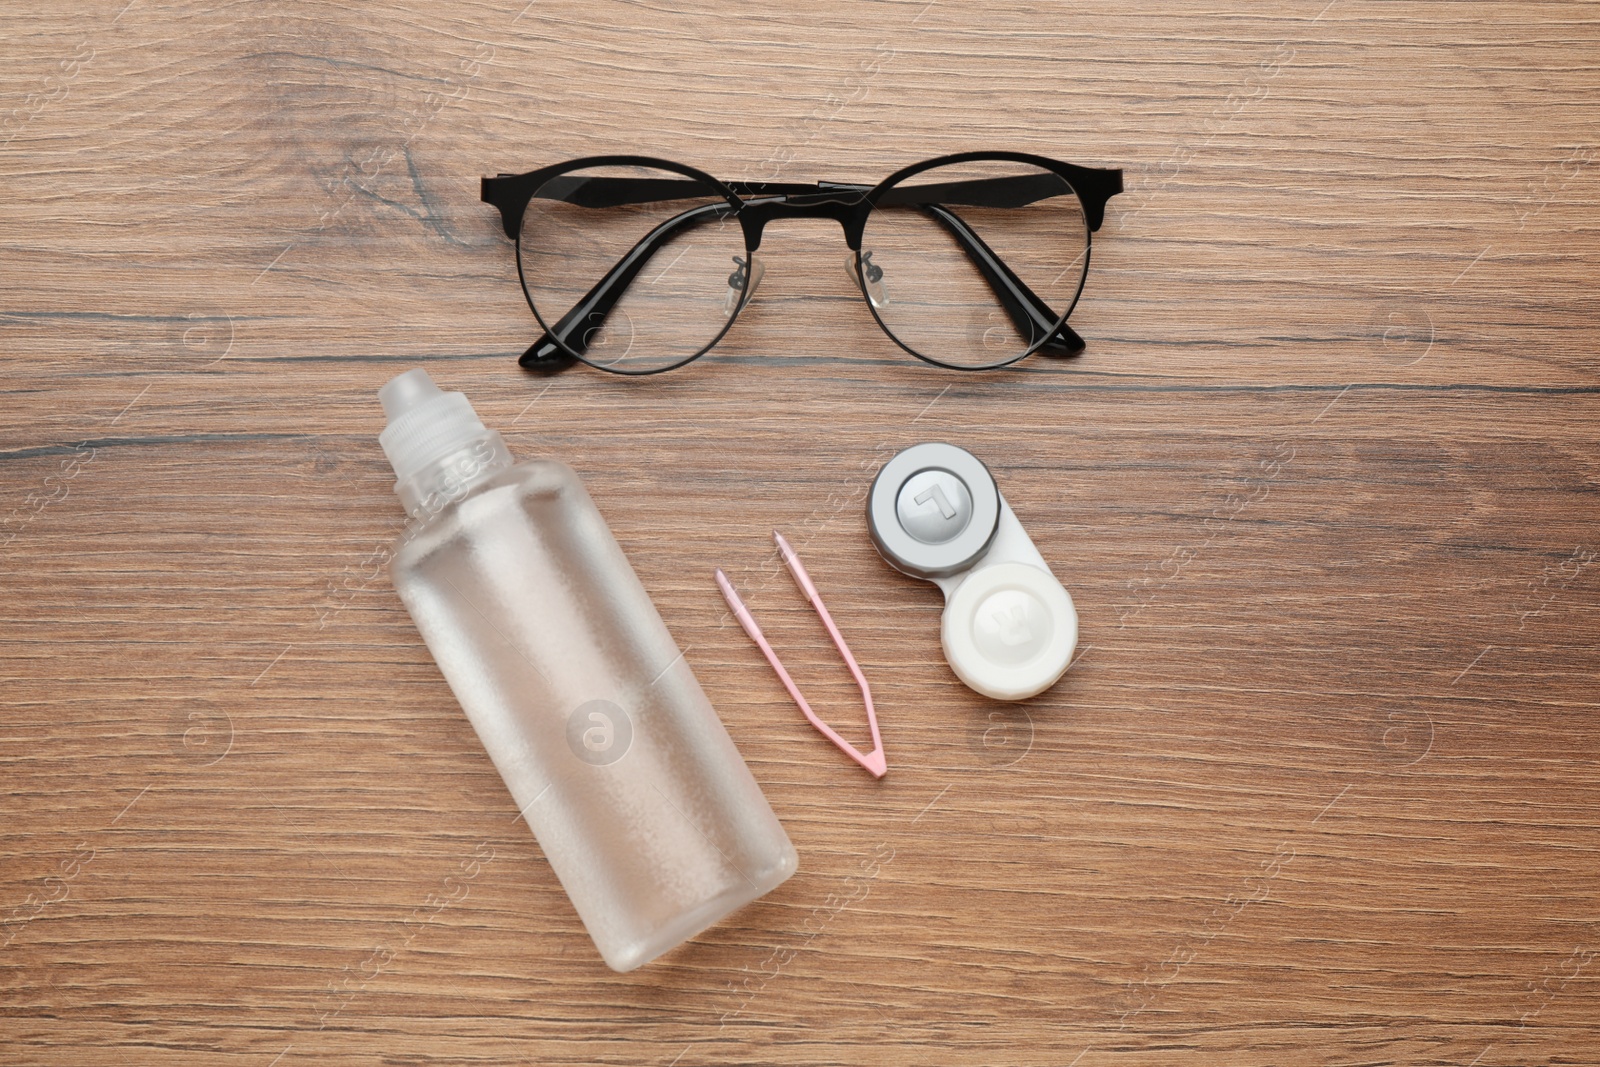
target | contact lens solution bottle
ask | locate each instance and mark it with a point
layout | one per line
(611, 751)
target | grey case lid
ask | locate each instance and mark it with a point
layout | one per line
(933, 510)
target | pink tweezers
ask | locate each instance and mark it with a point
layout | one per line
(875, 761)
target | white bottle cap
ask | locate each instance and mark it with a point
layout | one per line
(425, 423)
(435, 442)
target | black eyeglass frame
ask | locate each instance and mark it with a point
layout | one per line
(755, 203)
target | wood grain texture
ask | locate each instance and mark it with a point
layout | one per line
(1321, 790)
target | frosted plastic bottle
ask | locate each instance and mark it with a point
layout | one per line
(638, 797)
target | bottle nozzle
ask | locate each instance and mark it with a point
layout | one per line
(406, 391)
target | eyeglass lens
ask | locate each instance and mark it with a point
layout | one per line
(942, 248)
(680, 240)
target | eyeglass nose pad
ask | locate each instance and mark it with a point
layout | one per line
(738, 296)
(873, 285)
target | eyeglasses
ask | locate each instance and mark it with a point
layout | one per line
(637, 265)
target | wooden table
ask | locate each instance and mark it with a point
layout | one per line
(1320, 789)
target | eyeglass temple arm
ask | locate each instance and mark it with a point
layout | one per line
(1093, 187)
(1031, 315)
(589, 314)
